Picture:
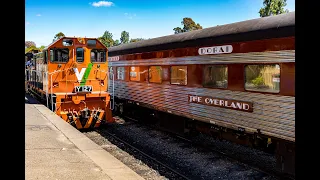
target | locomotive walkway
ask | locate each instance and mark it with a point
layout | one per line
(56, 150)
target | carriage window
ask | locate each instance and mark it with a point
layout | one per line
(59, 55)
(111, 75)
(80, 55)
(134, 74)
(263, 78)
(216, 76)
(120, 73)
(67, 42)
(98, 55)
(138, 73)
(155, 74)
(92, 43)
(179, 75)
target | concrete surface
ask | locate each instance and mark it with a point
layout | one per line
(56, 150)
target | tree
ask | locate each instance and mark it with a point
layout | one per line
(136, 40)
(106, 39)
(41, 48)
(124, 37)
(273, 7)
(58, 36)
(31, 48)
(116, 43)
(28, 44)
(188, 25)
(177, 30)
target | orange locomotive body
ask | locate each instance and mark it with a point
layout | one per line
(70, 76)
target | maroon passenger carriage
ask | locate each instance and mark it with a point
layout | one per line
(235, 81)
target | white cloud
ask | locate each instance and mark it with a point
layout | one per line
(27, 23)
(38, 15)
(102, 3)
(129, 16)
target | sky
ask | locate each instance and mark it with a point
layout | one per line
(141, 18)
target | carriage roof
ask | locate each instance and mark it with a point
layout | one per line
(243, 27)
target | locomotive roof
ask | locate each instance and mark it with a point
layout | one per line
(70, 38)
(245, 28)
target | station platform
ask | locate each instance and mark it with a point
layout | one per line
(56, 150)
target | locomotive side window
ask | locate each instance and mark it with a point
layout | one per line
(179, 75)
(155, 74)
(120, 73)
(215, 76)
(80, 55)
(59, 55)
(263, 78)
(98, 55)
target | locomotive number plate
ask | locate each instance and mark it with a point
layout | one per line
(79, 89)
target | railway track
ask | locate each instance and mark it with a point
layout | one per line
(175, 174)
(205, 147)
(269, 172)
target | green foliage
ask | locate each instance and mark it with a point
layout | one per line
(42, 47)
(258, 81)
(178, 30)
(116, 43)
(58, 36)
(273, 7)
(31, 48)
(124, 37)
(106, 39)
(188, 25)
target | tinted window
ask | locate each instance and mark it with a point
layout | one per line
(59, 55)
(263, 78)
(98, 55)
(216, 76)
(80, 55)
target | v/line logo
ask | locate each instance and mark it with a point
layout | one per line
(79, 75)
